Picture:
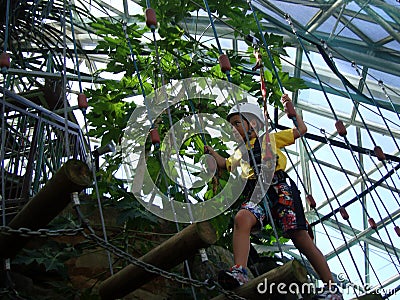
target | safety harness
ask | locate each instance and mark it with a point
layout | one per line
(279, 177)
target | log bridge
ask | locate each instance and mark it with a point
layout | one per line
(170, 253)
(73, 176)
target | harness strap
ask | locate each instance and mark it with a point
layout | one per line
(280, 178)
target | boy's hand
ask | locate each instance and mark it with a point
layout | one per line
(288, 105)
(285, 98)
(218, 158)
(300, 129)
(208, 150)
(210, 161)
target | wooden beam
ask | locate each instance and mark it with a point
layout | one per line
(287, 275)
(175, 250)
(73, 176)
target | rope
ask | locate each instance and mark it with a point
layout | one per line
(361, 168)
(393, 194)
(202, 252)
(7, 26)
(363, 121)
(296, 126)
(96, 186)
(133, 57)
(64, 80)
(6, 262)
(376, 104)
(337, 221)
(75, 47)
(164, 176)
(2, 154)
(278, 77)
(197, 120)
(314, 41)
(227, 72)
(294, 120)
(334, 248)
(87, 133)
(363, 193)
(348, 221)
(393, 168)
(322, 88)
(158, 60)
(266, 47)
(3, 122)
(380, 82)
(345, 138)
(191, 104)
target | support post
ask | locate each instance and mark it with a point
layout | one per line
(268, 285)
(175, 250)
(73, 176)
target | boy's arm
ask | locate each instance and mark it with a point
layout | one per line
(221, 161)
(301, 128)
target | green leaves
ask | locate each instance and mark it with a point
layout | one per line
(47, 258)
(269, 237)
(133, 214)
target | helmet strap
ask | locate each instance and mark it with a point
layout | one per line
(251, 129)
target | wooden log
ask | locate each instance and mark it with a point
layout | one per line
(266, 286)
(73, 176)
(173, 251)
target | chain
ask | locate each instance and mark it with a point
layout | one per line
(155, 270)
(26, 232)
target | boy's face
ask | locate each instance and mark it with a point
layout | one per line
(239, 123)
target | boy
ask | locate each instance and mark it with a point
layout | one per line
(284, 201)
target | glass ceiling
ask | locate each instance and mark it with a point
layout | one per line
(364, 32)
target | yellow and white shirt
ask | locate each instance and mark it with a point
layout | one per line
(278, 140)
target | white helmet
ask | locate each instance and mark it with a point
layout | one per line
(246, 108)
